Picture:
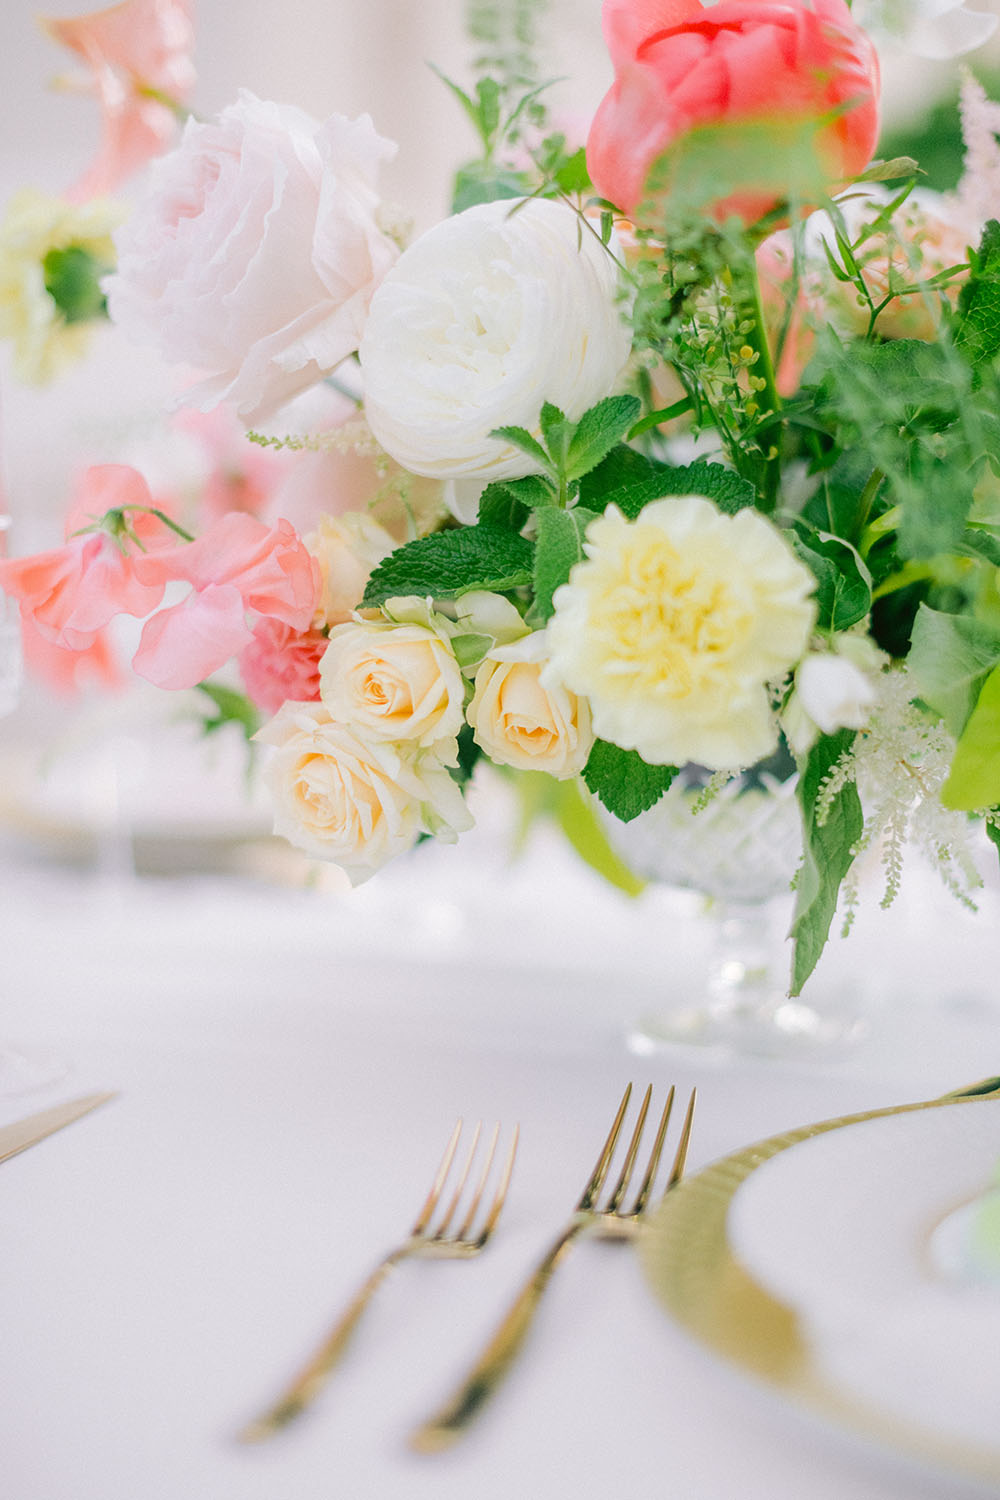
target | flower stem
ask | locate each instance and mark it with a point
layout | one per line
(764, 368)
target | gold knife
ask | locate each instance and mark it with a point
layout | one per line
(25, 1133)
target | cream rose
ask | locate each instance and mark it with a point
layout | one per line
(357, 804)
(519, 721)
(256, 250)
(674, 625)
(480, 322)
(393, 682)
(347, 548)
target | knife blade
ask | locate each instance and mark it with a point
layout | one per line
(24, 1133)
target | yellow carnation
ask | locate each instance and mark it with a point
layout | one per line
(36, 225)
(675, 624)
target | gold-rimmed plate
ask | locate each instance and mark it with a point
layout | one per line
(812, 1260)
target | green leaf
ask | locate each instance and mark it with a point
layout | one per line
(598, 431)
(483, 182)
(231, 707)
(630, 480)
(977, 322)
(625, 783)
(950, 658)
(488, 100)
(974, 779)
(889, 171)
(468, 754)
(521, 438)
(572, 175)
(993, 834)
(73, 281)
(447, 564)
(827, 854)
(576, 815)
(721, 485)
(558, 548)
(557, 430)
(843, 582)
(509, 502)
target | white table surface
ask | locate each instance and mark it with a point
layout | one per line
(290, 1063)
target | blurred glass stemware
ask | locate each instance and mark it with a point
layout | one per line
(21, 1069)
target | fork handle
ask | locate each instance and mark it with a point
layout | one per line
(448, 1424)
(307, 1384)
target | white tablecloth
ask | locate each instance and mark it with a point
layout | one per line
(289, 1064)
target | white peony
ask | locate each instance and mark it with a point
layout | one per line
(255, 251)
(480, 322)
(675, 624)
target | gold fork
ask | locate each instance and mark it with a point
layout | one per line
(422, 1240)
(608, 1221)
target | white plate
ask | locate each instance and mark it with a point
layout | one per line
(825, 1262)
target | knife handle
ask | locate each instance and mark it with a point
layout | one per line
(447, 1424)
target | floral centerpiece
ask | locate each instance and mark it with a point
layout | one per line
(681, 442)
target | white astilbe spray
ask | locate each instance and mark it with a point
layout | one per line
(900, 762)
(978, 192)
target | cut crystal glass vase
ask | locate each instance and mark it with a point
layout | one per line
(738, 845)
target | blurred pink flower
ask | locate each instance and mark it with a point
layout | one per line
(66, 671)
(281, 665)
(238, 564)
(139, 55)
(71, 592)
(240, 475)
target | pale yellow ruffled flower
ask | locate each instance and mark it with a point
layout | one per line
(45, 342)
(674, 626)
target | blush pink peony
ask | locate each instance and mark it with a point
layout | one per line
(795, 66)
(256, 251)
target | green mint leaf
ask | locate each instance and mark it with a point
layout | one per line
(974, 779)
(509, 502)
(447, 564)
(950, 658)
(557, 431)
(630, 480)
(73, 281)
(977, 322)
(843, 582)
(598, 431)
(521, 438)
(625, 783)
(558, 548)
(827, 854)
(482, 182)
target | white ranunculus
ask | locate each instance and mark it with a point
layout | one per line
(480, 322)
(357, 804)
(255, 251)
(834, 692)
(675, 624)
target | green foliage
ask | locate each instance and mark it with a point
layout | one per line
(574, 813)
(843, 582)
(630, 480)
(977, 324)
(73, 281)
(624, 782)
(229, 706)
(974, 779)
(829, 838)
(950, 658)
(558, 548)
(448, 564)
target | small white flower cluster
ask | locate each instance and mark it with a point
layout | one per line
(899, 762)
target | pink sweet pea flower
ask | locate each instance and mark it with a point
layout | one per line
(139, 55)
(281, 665)
(238, 565)
(803, 67)
(71, 592)
(69, 672)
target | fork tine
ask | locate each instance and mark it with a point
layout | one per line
(645, 1187)
(630, 1155)
(604, 1160)
(442, 1172)
(500, 1196)
(463, 1229)
(680, 1156)
(463, 1176)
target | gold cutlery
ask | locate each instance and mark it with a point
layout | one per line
(610, 1220)
(422, 1240)
(24, 1133)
